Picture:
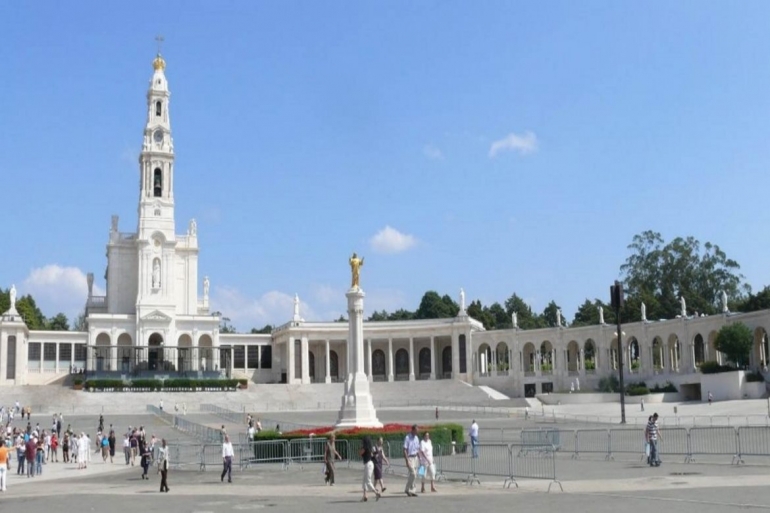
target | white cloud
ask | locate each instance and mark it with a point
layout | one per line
(274, 307)
(524, 144)
(390, 240)
(432, 152)
(58, 289)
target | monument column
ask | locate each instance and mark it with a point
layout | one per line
(411, 358)
(432, 357)
(390, 359)
(305, 360)
(357, 408)
(328, 378)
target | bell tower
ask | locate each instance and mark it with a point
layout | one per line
(156, 162)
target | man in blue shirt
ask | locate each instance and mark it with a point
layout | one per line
(411, 454)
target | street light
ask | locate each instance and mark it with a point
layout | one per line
(616, 296)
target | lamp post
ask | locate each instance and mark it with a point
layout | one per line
(616, 295)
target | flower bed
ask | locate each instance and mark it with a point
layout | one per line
(167, 385)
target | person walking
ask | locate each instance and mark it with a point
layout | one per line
(366, 457)
(426, 460)
(652, 433)
(65, 448)
(474, 434)
(20, 455)
(163, 465)
(411, 452)
(30, 450)
(146, 458)
(379, 459)
(227, 460)
(711, 397)
(111, 441)
(55, 447)
(5, 466)
(127, 449)
(330, 453)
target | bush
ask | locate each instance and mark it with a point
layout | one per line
(754, 377)
(667, 388)
(153, 384)
(171, 383)
(100, 384)
(609, 384)
(637, 390)
(590, 365)
(77, 381)
(712, 367)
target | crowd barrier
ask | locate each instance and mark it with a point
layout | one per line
(689, 443)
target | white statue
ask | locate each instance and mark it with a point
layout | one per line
(558, 317)
(205, 288)
(515, 320)
(114, 223)
(90, 282)
(684, 307)
(193, 227)
(12, 294)
(156, 274)
(644, 312)
(725, 309)
(462, 300)
(296, 307)
(601, 315)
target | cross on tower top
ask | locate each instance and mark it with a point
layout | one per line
(159, 40)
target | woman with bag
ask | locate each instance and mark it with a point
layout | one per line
(366, 457)
(163, 466)
(330, 453)
(379, 458)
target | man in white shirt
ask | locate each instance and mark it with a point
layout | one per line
(411, 453)
(426, 459)
(474, 434)
(227, 460)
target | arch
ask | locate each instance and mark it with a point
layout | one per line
(158, 108)
(589, 355)
(103, 339)
(157, 182)
(205, 353)
(674, 351)
(446, 361)
(125, 353)
(334, 365)
(402, 362)
(485, 359)
(125, 340)
(700, 349)
(573, 356)
(424, 361)
(378, 363)
(155, 357)
(311, 365)
(546, 357)
(502, 363)
(102, 352)
(528, 357)
(658, 359)
(184, 353)
(634, 354)
(185, 340)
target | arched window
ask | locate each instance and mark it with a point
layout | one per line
(158, 108)
(157, 183)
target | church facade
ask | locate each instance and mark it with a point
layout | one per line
(155, 321)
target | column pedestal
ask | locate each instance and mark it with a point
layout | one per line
(357, 407)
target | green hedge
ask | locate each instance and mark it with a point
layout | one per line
(637, 390)
(754, 377)
(159, 384)
(668, 387)
(713, 367)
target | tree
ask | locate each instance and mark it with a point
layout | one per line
(588, 313)
(735, 341)
(754, 302)
(526, 319)
(341, 319)
(224, 323)
(481, 314)
(550, 315)
(80, 322)
(265, 330)
(401, 315)
(5, 300)
(433, 306)
(378, 316)
(58, 323)
(659, 273)
(31, 314)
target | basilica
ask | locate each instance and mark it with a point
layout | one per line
(155, 321)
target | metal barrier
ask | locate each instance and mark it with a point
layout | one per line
(304, 451)
(674, 441)
(266, 451)
(592, 441)
(753, 441)
(714, 441)
(185, 455)
(627, 441)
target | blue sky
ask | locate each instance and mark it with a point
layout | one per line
(507, 146)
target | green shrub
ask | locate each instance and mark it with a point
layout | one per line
(153, 384)
(590, 365)
(100, 384)
(609, 384)
(754, 377)
(637, 390)
(712, 367)
(667, 388)
(78, 381)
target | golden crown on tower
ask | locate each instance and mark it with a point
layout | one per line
(159, 63)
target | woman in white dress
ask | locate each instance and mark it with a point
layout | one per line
(83, 451)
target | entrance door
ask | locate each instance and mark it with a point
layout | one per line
(154, 359)
(530, 390)
(99, 363)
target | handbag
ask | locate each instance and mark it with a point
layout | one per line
(647, 449)
(421, 471)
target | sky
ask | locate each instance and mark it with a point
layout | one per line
(498, 146)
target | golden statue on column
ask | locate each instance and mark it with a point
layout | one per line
(355, 269)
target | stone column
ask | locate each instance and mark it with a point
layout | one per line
(305, 363)
(538, 363)
(290, 361)
(676, 356)
(390, 359)
(357, 408)
(328, 377)
(369, 359)
(456, 356)
(432, 357)
(692, 355)
(411, 358)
